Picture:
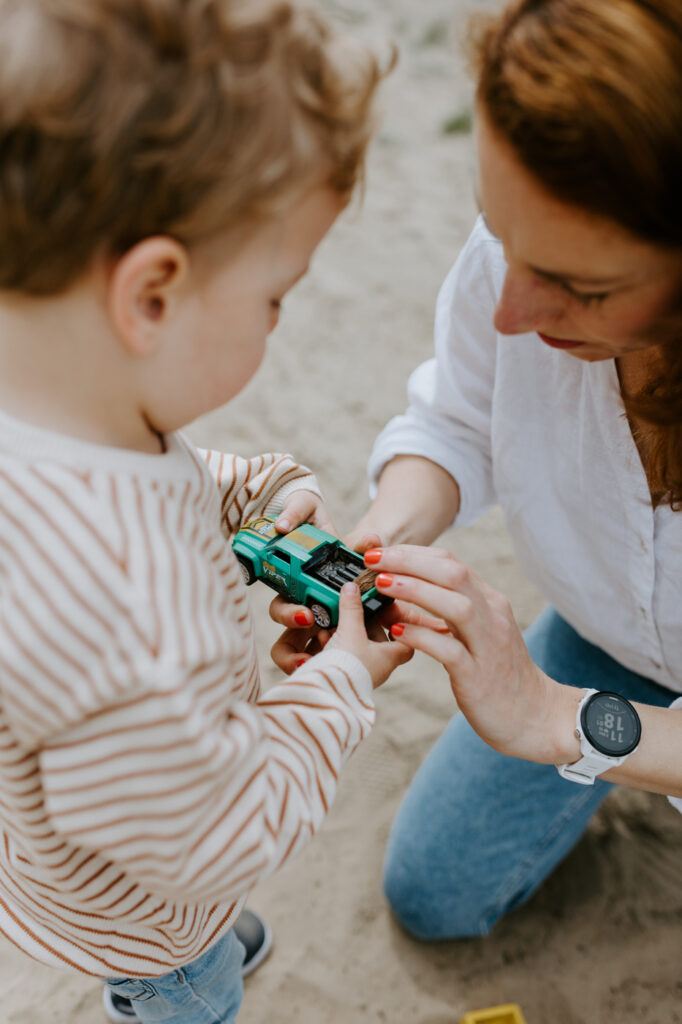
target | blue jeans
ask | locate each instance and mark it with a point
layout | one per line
(207, 991)
(477, 832)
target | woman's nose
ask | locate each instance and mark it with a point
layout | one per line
(526, 304)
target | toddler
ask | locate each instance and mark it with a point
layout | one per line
(167, 169)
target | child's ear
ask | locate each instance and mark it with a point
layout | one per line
(143, 291)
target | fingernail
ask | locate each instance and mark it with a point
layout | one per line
(302, 619)
(373, 557)
(384, 579)
(350, 588)
(301, 662)
(397, 629)
(283, 524)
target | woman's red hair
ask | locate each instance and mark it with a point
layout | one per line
(589, 95)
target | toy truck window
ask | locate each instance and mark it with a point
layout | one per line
(283, 556)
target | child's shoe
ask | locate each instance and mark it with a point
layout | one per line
(252, 931)
(255, 935)
(118, 1009)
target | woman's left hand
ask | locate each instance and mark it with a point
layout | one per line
(505, 697)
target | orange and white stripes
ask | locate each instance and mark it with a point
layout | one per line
(146, 784)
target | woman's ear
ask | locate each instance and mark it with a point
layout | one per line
(143, 292)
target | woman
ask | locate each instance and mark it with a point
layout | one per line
(556, 391)
(574, 425)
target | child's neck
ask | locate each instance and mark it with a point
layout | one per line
(61, 369)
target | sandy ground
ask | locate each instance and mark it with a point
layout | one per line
(601, 941)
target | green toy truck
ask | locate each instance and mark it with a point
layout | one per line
(306, 566)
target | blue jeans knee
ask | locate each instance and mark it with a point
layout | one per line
(478, 832)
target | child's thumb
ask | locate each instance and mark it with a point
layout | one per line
(351, 612)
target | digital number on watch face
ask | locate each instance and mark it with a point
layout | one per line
(611, 724)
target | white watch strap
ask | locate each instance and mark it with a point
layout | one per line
(592, 763)
(588, 767)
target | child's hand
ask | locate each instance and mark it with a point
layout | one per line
(378, 656)
(298, 643)
(304, 507)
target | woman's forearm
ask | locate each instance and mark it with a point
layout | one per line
(415, 502)
(508, 700)
(655, 766)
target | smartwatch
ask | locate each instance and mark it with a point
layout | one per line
(609, 730)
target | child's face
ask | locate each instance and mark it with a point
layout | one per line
(228, 307)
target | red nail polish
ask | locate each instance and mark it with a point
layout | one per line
(301, 619)
(397, 629)
(384, 579)
(373, 557)
(301, 662)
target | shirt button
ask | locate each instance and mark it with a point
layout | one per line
(655, 663)
(643, 546)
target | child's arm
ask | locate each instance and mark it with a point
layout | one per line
(262, 486)
(196, 794)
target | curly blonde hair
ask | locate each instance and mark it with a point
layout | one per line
(123, 119)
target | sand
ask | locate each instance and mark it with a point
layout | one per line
(601, 940)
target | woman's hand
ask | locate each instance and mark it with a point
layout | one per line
(506, 698)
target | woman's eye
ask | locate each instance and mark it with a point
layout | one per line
(584, 298)
(590, 298)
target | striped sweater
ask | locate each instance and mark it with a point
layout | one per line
(146, 784)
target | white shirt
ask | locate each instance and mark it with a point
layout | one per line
(546, 436)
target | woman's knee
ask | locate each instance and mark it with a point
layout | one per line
(430, 907)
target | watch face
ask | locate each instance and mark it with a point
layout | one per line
(611, 724)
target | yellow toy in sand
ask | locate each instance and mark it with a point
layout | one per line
(509, 1014)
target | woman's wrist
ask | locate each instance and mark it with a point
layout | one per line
(656, 765)
(415, 502)
(564, 745)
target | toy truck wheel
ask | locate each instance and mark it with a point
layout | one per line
(246, 569)
(321, 614)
